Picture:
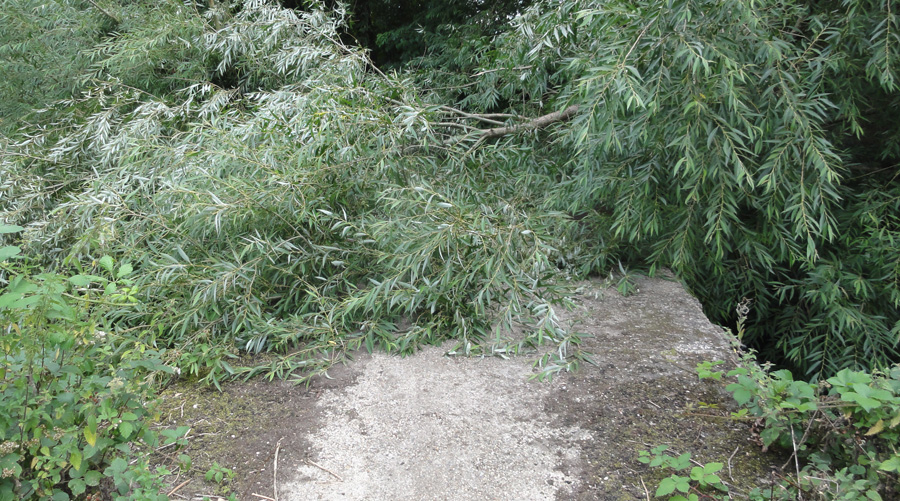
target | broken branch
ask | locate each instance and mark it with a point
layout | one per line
(537, 123)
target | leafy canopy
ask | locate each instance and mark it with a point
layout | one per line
(276, 189)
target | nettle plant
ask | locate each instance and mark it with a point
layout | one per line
(690, 479)
(842, 432)
(74, 400)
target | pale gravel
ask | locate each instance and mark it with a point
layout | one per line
(434, 427)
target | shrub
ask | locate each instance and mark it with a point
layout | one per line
(842, 433)
(74, 401)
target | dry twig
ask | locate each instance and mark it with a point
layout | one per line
(275, 470)
(729, 462)
(179, 486)
(325, 470)
(796, 462)
(645, 489)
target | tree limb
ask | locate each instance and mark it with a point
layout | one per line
(483, 118)
(104, 11)
(457, 125)
(537, 123)
(485, 72)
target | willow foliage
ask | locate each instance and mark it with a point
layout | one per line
(300, 208)
(747, 145)
(276, 190)
(34, 37)
(730, 141)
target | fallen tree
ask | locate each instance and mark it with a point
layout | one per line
(275, 188)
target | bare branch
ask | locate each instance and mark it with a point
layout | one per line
(457, 125)
(485, 72)
(104, 11)
(537, 123)
(473, 116)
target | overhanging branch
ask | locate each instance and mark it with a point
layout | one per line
(537, 123)
(480, 135)
(105, 12)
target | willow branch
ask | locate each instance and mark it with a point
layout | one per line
(479, 135)
(457, 125)
(517, 68)
(537, 123)
(473, 116)
(104, 11)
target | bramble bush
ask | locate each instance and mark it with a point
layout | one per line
(843, 432)
(701, 478)
(75, 403)
(842, 435)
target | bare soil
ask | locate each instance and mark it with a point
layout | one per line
(436, 427)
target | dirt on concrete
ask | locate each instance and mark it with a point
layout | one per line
(432, 427)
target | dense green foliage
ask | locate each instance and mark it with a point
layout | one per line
(275, 189)
(842, 433)
(396, 31)
(41, 55)
(310, 212)
(742, 145)
(74, 401)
